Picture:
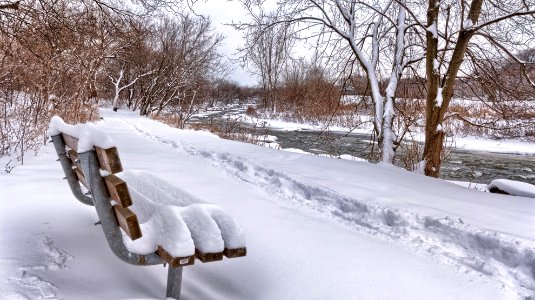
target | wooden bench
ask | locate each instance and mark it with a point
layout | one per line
(95, 170)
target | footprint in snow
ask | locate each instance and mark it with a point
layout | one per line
(35, 287)
(55, 258)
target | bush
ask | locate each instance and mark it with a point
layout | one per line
(251, 111)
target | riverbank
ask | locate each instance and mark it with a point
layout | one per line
(466, 143)
(470, 159)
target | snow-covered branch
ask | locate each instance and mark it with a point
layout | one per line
(500, 19)
(118, 88)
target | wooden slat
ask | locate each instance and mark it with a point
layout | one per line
(232, 253)
(70, 141)
(208, 257)
(175, 261)
(127, 220)
(77, 167)
(118, 190)
(74, 158)
(109, 159)
(81, 177)
(73, 155)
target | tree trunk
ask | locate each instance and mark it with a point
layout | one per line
(433, 143)
(435, 110)
(388, 149)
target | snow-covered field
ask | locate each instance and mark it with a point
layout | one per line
(316, 227)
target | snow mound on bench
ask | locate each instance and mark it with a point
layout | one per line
(87, 134)
(176, 220)
(57, 126)
(516, 188)
(166, 228)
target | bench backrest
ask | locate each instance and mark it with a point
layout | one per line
(109, 162)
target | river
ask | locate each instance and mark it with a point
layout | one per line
(461, 165)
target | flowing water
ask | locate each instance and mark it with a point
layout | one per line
(480, 167)
(462, 165)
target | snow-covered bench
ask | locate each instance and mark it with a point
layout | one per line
(154, 232)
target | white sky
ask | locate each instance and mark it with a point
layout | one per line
(222, 12)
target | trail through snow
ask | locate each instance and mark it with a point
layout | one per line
(509, 259)
(316, 228)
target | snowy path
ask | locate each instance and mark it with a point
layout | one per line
(316, 228)
(469, 248)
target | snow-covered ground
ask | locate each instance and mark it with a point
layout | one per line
(316, 227)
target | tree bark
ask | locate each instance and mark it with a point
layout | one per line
(14, 5)
(435, 110)
(433, 140)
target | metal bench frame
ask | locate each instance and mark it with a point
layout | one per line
(100, 200)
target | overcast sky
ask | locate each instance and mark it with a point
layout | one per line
(222, 12)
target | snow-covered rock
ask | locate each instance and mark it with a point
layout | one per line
(512, 187)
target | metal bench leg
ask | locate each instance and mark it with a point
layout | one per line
(174, 282)
(66, 164)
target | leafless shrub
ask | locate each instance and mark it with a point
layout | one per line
(411, 155)
(48, 62)
(306, 94)
(232, 129)
(226, 92)
(57, 58)
(250, 111)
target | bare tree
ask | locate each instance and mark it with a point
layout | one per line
(466, 29)
(118, 88)
(374, 34)
(225, 91)
(267, 50)
(500, 98)
(184, 60)
(54, 56)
